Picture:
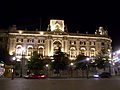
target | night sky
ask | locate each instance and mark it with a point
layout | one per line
(83, 15)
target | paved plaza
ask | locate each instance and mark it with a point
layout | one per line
(60, 84)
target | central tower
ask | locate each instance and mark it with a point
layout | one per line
(57, 25)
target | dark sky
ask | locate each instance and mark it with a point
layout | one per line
(82, 15)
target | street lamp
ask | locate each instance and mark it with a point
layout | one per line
(47, 68)
(13, 69)
(22, 66)
(71, 65)
(87, 65)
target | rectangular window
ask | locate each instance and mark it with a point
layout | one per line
(21, 40)
(84, 43)
(38, 41)
(17, 40)
(43, 41)
(27, 40)
(74, 42)
(90, 43)
(30, 40)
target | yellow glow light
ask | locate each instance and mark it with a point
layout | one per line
(20, 32)
(41, 33)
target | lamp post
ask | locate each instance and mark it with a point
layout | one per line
(71, 67)
(47, 68)
(87, 65)
(22, 63)
(13, 68)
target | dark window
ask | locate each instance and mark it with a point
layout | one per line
(43, 41)
(17, 40)
(28, 40)
(74, 42)
(38, 41)
(103, 43)
(90, 43)
(80, 42)
(32, 40)
(21, 40)
(84, 43)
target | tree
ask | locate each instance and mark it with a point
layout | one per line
(102, 62)
(4, 56)
(36, 63)
(61, 61)
(81, 62)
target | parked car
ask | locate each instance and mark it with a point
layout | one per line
(35, 76)
(96, 75)
(105, 75)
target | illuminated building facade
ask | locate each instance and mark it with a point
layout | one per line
(47, 42)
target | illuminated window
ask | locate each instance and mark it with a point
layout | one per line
(72, 52)
(82, 50)
(92, 52)
(41, 41)
(29, 50)
(72, 42)
(19, 40)
(82, 43)
(91, 43)
(41, 50)
(19, 50)
(30, 40)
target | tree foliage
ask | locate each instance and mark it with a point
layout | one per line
(81, 62)
(36, 63)
(101, 62)
(61, 61)
(4, 56)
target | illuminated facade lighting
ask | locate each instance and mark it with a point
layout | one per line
(47, 42)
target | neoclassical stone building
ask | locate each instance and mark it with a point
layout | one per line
(47, 42)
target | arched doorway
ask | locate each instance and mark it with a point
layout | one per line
(56, 46)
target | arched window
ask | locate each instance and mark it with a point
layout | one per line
(92, 52)
(29, 50)
(19, 50)
(72, 52)
(83, 50)
(41, 50)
